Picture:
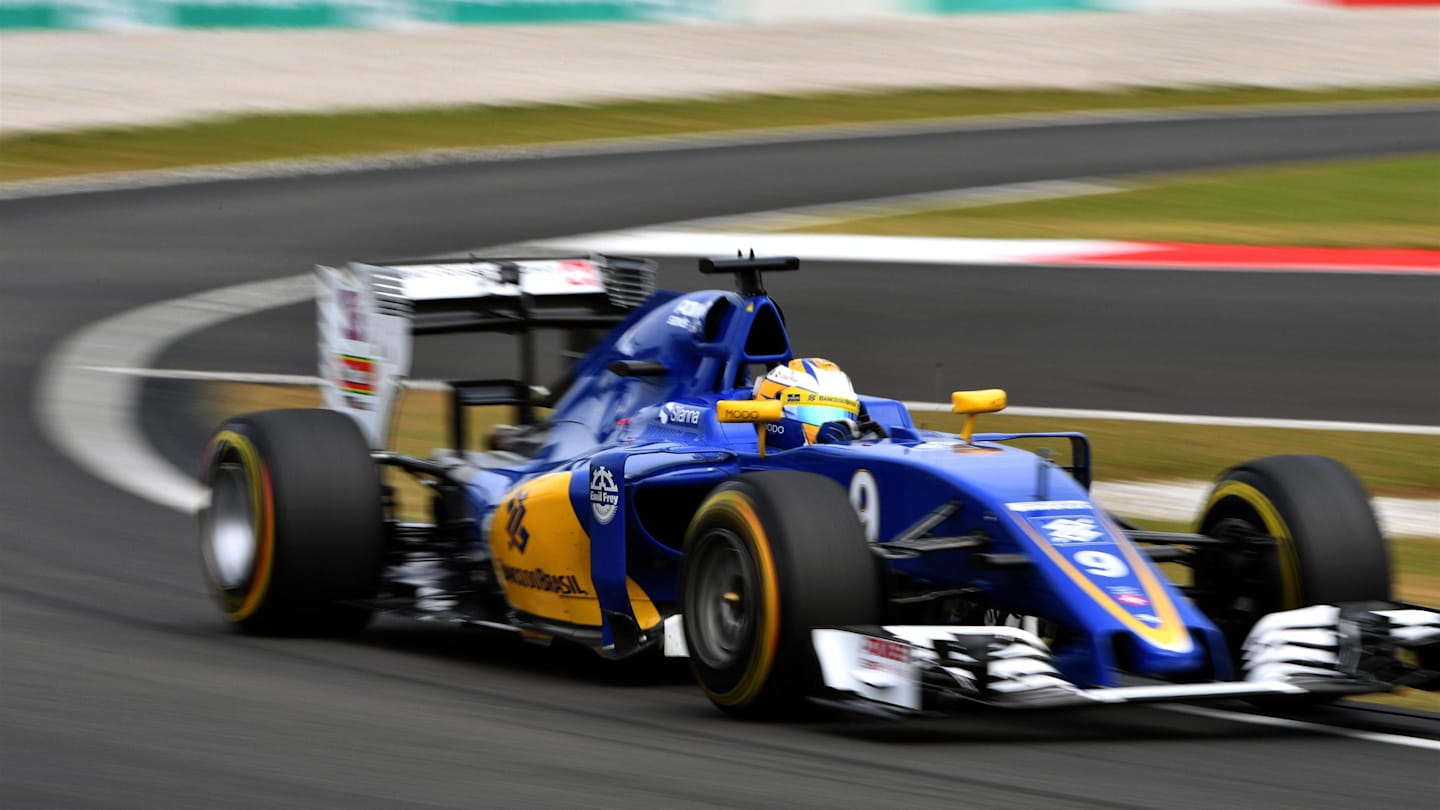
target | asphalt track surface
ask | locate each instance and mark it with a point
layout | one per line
(119, 688)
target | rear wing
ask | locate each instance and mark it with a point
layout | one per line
(368, 315)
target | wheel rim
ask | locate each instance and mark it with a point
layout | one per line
(229, 541)
(723, 600)
(1238, 593)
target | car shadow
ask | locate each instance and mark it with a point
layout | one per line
(561, 662)
(507, 651)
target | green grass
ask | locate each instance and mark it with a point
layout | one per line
(268, 137)
(1394, 202)
(1417, 570)
(1389, 464)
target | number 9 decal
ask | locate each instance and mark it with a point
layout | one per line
(1101, 563)
(865, 497)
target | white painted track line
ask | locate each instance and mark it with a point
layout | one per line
(834, 247)
(1302, 725)
(1076, 254)
(93, 416)
(88, 395)
(931, 407)
(1197, 419)
(1169, 500)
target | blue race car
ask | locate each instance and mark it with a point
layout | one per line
(692, 486)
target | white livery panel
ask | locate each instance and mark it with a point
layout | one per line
(1325, 649)
(367, 315)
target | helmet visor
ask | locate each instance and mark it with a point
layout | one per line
(820, 414)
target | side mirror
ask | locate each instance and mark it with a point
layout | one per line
(754, 411)
(971, 403)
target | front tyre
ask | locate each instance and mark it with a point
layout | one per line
(294, 534)
(768, 557)
(1327, 544)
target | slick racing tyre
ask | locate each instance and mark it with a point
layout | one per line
(1328, 547)
(767, 557)
(294, 533)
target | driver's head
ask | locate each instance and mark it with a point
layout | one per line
(812, 392)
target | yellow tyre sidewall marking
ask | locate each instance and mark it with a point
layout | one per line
(1274, 526)
(762, 655)
(262, 503)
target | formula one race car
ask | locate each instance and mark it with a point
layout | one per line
(692, 486)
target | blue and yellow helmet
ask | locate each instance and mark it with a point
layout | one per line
(812, 392)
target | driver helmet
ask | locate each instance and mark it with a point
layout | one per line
(812, 392)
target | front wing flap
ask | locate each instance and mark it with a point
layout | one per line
(1321, 650)
(1388, 645)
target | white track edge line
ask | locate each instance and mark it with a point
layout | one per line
(1305, 725)
(1401, 517)
(93, 417)
(1198, 419)
(925, 407)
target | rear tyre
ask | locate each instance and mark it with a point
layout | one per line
(1328, 546)
(768, 557)
(294, 533)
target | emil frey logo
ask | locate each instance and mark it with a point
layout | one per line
(604, 495)
(1071, 530)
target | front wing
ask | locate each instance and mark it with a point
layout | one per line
(1323, 650)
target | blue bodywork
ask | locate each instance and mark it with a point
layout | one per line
(657, 433)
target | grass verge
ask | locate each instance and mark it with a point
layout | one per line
(273, 137)
(1389, 464)
(1389, 201)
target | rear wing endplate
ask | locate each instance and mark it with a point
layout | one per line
(367, 316)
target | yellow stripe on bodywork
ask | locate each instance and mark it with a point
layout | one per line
(646, 615)
(1274, 526)
(557, 547)
(1170, 634)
